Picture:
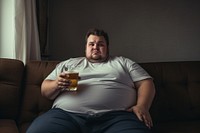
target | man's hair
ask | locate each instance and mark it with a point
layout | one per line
(97, 32)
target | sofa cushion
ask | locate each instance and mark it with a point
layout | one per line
(177, 91)
(8, 126)
(178, 127)
(33, 103)
(11, 73)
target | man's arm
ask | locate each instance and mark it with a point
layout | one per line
(51, 88)
(145, 95)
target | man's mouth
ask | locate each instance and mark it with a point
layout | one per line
(95, 52)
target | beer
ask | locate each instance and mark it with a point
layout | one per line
(73, 77)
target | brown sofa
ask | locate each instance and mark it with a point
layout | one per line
(175, 109)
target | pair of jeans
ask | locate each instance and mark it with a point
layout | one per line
(59, 121)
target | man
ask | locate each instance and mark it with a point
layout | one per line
(114, 94)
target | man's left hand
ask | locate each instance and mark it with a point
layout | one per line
(142, 114)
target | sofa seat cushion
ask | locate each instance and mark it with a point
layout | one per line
(178, 127)
(8, 126)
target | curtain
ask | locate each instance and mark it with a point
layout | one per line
(43, 22)
(27, 45)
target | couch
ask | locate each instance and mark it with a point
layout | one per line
(175, 109)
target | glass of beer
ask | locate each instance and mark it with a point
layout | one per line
(73, 77)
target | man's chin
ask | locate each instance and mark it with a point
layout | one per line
(96, 60)
(96, 57)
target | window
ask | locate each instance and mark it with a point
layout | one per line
(7, 28)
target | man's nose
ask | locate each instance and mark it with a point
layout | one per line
(96, 46)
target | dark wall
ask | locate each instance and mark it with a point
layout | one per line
(143, 30)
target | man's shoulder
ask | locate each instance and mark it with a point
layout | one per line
(71, 61)
(121, 59)
(77, 59)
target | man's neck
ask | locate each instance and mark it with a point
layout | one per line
(98, 60)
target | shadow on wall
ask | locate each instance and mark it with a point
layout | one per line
(149, 31)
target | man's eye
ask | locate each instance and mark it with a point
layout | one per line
(101, 44)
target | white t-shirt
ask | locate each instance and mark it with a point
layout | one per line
(105, 86)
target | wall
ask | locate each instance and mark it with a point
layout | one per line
(143, 30)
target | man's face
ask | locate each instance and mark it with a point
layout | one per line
(96, 49)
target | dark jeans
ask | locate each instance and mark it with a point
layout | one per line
(60, 121)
